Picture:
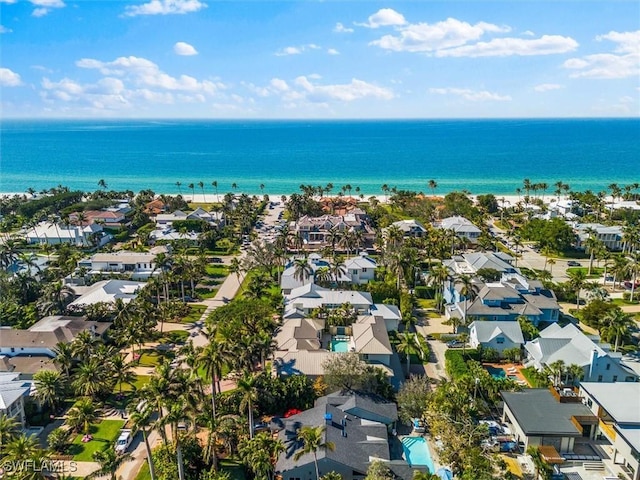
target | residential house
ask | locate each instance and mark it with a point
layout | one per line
(358, 425)
(167, 219)
(42, 337)
(513, 296)
(618, 410)
(13, 392)
(462, 227)
(27, 365)
(168, 235)
(572, 346)
(139, 265)
(316, 233)
(610, 236)
(411, 228)
(55, 234)
(471, 263)
(300, 302)
(106, 291)
(497, 335)
(108, 218)
(358, 270)
(547, 417)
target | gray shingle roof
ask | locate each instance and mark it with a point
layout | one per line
(487, 331)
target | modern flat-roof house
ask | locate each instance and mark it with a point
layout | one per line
(541, 416)
(107, 291)
(42, 337)
(55, 234)
(358, 270)
(13, 392)
(462, 227)
(358, 425)
(617, 407)
(611, 236)
(572, 346)
(139, 265)
(513, 296)
(497, 335)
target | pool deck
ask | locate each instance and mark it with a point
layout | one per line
(511, 369)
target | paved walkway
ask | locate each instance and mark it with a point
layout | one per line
(435, 368)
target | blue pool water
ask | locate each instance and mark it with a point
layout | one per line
(416, 452)
(496, 372)
(340, 346)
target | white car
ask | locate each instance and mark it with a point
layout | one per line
(124, 440)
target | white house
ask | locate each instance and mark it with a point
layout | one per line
(13, 391)
(410, 228)
(617, 407)
(107, 291)
(301, 301)
(167, 219)
(140, 265)
(55, 234)
(462, 227)
(572, 346)
(497, 335)
(611, 236)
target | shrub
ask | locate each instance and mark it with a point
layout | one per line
(489, 355)
(455, 364)
(58, 440)
(424, 292)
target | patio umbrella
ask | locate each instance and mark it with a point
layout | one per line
(444, 473)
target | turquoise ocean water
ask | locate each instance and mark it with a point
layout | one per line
(480, 156)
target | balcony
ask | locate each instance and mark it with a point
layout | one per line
(607, 429)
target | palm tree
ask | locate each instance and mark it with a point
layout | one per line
(109, 462)
(9, 430)
(50, 387)
(577, 281)
(121, 372)
(211, 358)
(235, 266)
(64, 357)
(82, 415)
(617, 324)
(633, 268)
(591, 245)
(301, 269)
(201, 185)
(247, 387)
(433, 185)
(23, 449)
(313, 440)
(214, 184)
(90, 378)
(102, 184)
(179, 185)
(576, 372)
(409, 345)
(140, 416)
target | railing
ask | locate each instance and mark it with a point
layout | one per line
(577, 424)
(608, 430)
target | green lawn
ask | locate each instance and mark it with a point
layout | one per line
(195, 313)
(144, 473)
(621, 301)
(234, 467)
(141, 381)
(217, 270)
(174, 336)
(151, 358)
(596, 272)
(104, 434)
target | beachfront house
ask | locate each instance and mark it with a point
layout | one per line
(410, 228)
(137, 265)
(214, 218)
(357, 424)
(618, 412)
(550, 418)
(497, 335)
(462, 227)
(570, 345)
(14, 390)
(347, 233)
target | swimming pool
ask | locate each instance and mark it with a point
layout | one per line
(341, 346)
(416, 452)
(496, 372)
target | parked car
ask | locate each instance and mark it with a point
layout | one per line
(573, 263)
(216, 260)
(124, 440)
(455, 344)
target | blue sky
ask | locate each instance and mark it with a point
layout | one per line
(319, 59)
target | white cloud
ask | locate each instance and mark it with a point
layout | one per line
(471, 95)
(333, 51)
(340, 28)
(9, 78)
(182, 48)
(528, 33)
(145, 73)
(348, 92)
(547, 87)
(4, 29)
(623, 63)
(297, 50)
(384, 17)
(45, 6)
(279, 84)
(425, 37)
(8, 1)
(504, 47)
(164, 7)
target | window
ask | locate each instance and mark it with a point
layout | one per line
(608, 366)
(589, 402)
(500, 340)
(615, 378)
(599, 378)
(364, 270)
